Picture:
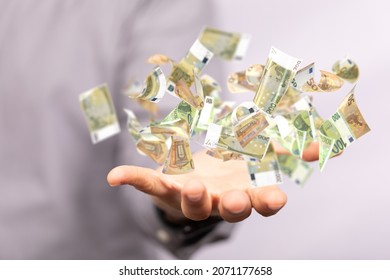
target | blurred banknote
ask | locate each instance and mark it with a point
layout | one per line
(342, 129)
(265, 172)
(328, 82)
(155, 87)
(226, 45)
(179, 160)
(100, 113)
(278, 74)
(296, 169)
(195, 60)
(152, 145)
(346, 69)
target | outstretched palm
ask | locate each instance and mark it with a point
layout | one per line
(214, 188)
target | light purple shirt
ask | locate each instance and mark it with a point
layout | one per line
(55, 202)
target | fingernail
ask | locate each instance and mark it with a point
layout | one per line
(237, 210)
(194, 197)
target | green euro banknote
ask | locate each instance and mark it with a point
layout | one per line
(99, 113)
(226, 45)
(342, 129)
(279, 71)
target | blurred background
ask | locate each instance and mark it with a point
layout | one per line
(51, 196)
(343, 212)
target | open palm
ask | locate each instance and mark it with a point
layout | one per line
(213, 188)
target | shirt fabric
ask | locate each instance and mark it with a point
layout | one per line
(55, 202)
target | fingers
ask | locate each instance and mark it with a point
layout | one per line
(311, 152)
(235, 206)
(144, 179)
(195, 201)
(267, 200)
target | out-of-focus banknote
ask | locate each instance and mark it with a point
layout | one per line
(224, 155)
(295, 168)
(224, 138)
(100, 113)
(155, 87)
(152, 145)
(184, 92)
(237, 83)
(133, 125)
(305, 104)
(195, 60)
(248, 128)
(211, 88)
(284, 106)
(206, 114)
(179, 160)
(279, 71)
(342, 129)
(329, 82)
(185, 112)
(226, 45)
(303, 76)
(178, 127)
(347, 69)
(304, 129)
(223, 113)
(248, 122)
(253, 74)
(265, 172)
(160, 59)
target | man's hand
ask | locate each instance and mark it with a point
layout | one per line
(213, 188)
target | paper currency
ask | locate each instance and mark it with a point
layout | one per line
(265, 172)
(291, 97)
(155, 87)
(195, 60)
(133, 125)
(223, 138)
(329, 82)
(178, 127)
(226, 45)
(224, 155)
(343, 128)
(250, 127)
(346, 69)
(325, 150)
(100, 113)
(237, 83)
(304, 129)
(296, 169)
(249, 123)
(306, 104)
(179, 160)
(185, 112)
(148, 144)
(281, 110)
(253, 74)
(206, 114)
(223, 113)
(303, 76)
(184, 92)
(211, 88)
(154, 147)
(278, 74)
(160, 59)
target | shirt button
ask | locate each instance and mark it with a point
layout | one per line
(163, 236)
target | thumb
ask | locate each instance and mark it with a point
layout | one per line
(144, 179)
